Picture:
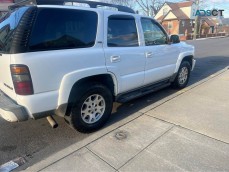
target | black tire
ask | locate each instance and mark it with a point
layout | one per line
(77, 121)
(177, 84)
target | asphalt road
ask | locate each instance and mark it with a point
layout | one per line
(36, 140)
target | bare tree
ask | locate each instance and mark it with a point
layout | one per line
(128, 3)
(150, 7)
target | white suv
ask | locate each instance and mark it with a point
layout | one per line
(76, 61)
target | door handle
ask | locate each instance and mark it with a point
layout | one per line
(115, 59)
(149, 54)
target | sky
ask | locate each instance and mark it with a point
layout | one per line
(221, 4)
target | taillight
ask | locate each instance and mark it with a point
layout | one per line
(21, 79)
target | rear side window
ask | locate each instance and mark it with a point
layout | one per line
(122, 32)
(63, 29)
(8, 25)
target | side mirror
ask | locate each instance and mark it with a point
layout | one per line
(174, 39)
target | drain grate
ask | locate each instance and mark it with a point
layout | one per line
(120, 135)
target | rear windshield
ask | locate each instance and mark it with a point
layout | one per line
(8, 24)
(63, 29)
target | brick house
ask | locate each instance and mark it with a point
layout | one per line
(4, 6)
(177, 18)
(208, 25)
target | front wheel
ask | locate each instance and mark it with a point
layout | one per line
(91, 110)
(183, 76)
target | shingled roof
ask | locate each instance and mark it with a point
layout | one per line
(179, 4)
(172, 5)
(179, 14)
(209, 21)
(185, 4)
(175, 9)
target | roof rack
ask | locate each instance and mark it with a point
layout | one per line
(92, 4)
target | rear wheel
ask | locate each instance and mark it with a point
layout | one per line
(183, 75)
(92, 109)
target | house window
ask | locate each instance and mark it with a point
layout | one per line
(170, 25)
(191, 23)
(183, 23)
(165, 11)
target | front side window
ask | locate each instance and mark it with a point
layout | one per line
(153, 33)
(63, 29)
(8, 24)
(122, 32)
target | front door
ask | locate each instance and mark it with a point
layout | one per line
(161, 57)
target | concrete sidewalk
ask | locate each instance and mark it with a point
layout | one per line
(188, 132)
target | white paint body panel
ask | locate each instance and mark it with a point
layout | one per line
(130, 69)
(162, 63)
(6, 83)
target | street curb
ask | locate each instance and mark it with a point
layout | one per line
(217, 37)
(201, 39)
(83, 143)
(97, 135)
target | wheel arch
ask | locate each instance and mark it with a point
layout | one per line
(188, 59)
(184, 57)
(107, 79)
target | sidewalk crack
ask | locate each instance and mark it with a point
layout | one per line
(167, 131)
(100, 158)
(180, 126)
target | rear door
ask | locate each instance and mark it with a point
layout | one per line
(124, 55)
(8, 24)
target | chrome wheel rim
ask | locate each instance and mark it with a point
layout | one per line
(183, 76)
(93, 109)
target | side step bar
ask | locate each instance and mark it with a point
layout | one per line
(122, 98)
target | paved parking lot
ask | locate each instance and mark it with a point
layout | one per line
(36, 140)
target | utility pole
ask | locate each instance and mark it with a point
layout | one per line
(200, 26)
(196, 20)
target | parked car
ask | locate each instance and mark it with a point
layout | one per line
(76, 61)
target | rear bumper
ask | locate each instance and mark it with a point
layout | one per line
(11, 111)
